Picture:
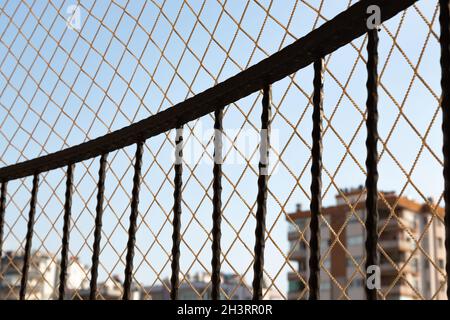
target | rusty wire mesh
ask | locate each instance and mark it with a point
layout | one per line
(127, 60)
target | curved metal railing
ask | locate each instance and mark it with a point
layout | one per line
(324, 40)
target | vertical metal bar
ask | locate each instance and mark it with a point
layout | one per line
(2, 221)
(258, 265)
(217, 205)
(177, 195)
(66, 231)
(316, 183)
(372, 258)
(2, 215)
(133, 218)
(444, 20)
(98, 226)
(29, 237)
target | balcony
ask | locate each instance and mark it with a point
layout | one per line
(398, 223)
(294, 276)
(387, 269)
(399, 291)
(398, 245)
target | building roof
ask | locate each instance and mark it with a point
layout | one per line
(391, 198)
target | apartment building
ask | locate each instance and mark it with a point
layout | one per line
(43, 276)
(408, 271)
(110, 289)
(198, 287)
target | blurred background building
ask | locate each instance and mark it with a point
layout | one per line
(42, 276)
(407, 270)
(232, 286)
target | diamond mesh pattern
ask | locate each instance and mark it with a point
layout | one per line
(127, 60)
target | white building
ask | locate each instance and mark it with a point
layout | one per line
(42, 276)
(198, 287)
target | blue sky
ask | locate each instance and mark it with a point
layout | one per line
(59, 87)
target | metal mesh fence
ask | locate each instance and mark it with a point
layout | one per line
(73, 71)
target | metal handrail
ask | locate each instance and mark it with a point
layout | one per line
(332, 35)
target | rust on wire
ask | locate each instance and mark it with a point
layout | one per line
(29, 238)
(261, 201)
(133, 221)
(98, 226)
(316, 183)
(217, 205)
(66, 232)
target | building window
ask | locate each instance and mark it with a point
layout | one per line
(440, 243)
(301, 223)
(351, 264)
(356, 283)
(441, 263)
(292, 245)
(324, 244)
(295, 286)
(301, 266)
(384, 214)
(352, 219)
(416, 284)
(353, 216)
(426, 264)
(298, 225)
(415, 265)
(292, 227)
(355, 240)
(326, 285)
(295, 245)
